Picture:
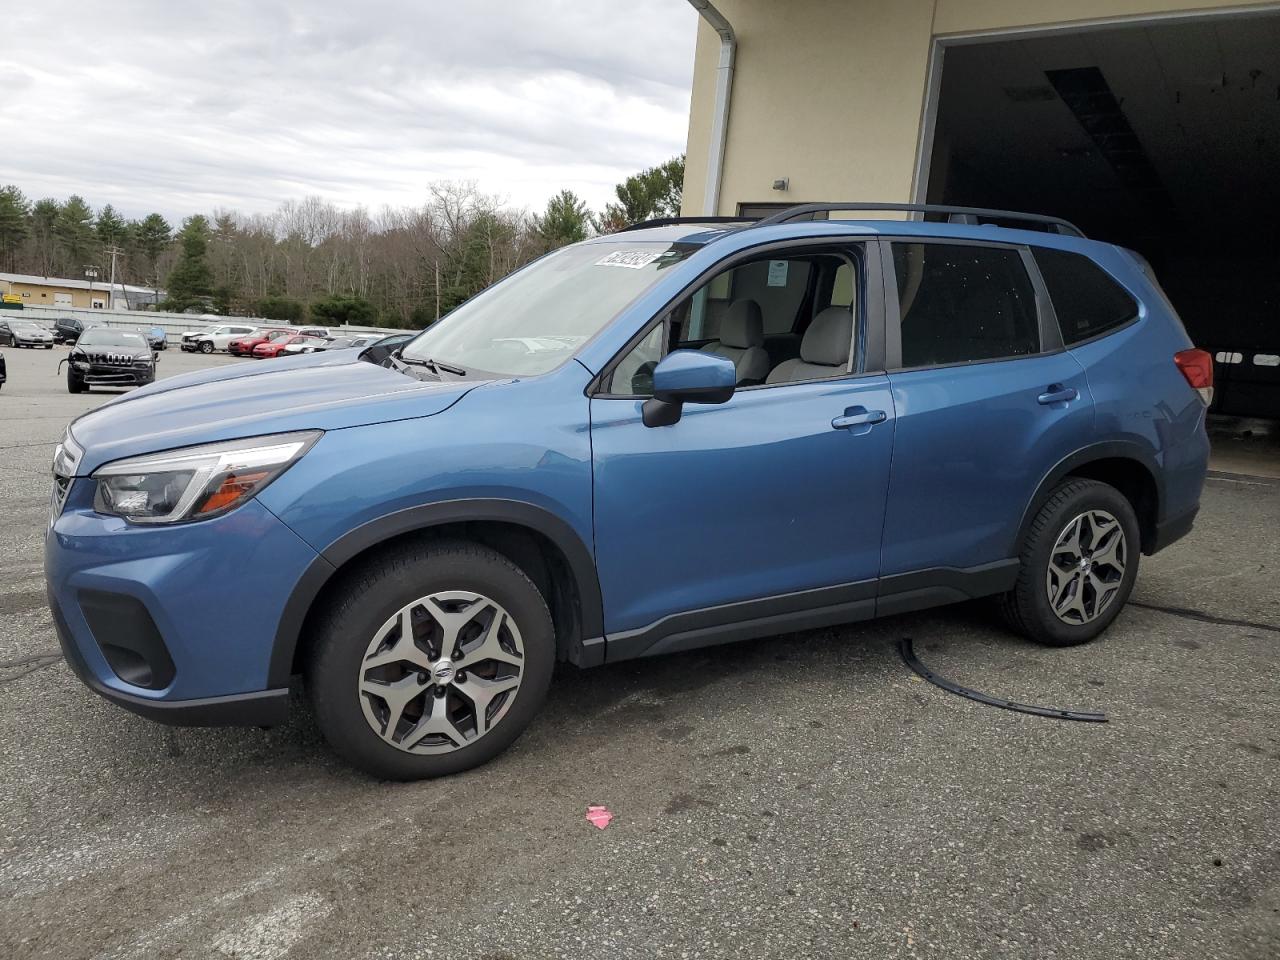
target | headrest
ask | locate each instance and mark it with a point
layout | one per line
(742, 326)
(828, 338)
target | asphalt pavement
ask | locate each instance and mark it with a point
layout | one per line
(798, 796)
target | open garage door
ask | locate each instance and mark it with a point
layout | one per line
(1161, 136)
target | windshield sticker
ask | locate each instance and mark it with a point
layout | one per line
(778, 273)
(632, 259)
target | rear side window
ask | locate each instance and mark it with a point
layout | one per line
(963, 303)
(1087, 301)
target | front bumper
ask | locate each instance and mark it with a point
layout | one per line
(111, 376)
(207, 598)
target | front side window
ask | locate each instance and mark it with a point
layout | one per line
(780, 319)
(1087, 301)
(963, 303)
(539, 317)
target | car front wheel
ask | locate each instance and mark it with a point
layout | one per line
(1079, 564)
(206, 347)
(74, 384)
(430, 660)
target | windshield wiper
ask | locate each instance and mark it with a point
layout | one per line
(436, 365)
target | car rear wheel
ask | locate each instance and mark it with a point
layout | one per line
(432, 659)
(1079, 564)
(206, 347)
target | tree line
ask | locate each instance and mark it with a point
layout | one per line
(313, 260)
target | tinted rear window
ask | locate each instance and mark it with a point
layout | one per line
(1087, 301)
(963, 304)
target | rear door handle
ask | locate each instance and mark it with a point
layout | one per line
(1057, 393)
(858, 417)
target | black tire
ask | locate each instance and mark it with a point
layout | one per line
(48, 346)
(206, 346)
(74, 384)
(363, 603)
(1027, 607)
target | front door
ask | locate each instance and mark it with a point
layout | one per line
(762, 514)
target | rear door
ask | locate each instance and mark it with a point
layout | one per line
(987, 403)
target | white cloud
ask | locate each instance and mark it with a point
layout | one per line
(177, 107)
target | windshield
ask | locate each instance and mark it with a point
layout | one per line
(102, 337)
(537, 318)
(23, 325)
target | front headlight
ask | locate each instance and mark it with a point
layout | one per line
(196, 483)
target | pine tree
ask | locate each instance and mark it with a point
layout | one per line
(190, 282)
(564, 221)
(74, 230)
(15, 210)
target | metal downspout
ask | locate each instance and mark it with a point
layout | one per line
(720, 114)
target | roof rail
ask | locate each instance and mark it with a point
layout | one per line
(954, 214)
(675, 221)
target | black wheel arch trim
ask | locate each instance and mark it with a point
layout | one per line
(1106, 450)
(588, 649)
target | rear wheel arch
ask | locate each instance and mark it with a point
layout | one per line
(542, 545)
(1128, 467)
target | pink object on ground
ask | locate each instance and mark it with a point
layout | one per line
(599, 816)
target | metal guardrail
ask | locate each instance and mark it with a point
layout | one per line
(173, 324)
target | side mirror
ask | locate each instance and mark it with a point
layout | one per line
(688, 376)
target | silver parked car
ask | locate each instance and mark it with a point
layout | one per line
(25, 333)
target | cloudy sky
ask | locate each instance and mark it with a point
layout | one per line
(183, 107)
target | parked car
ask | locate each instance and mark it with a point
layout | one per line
(380, 350)
(286, 346)
(304, 345)
(158, 338)
(347, 343)
(242, 346)
(104, 357)
(68, 329)
(24, 333)
(215, 338)
(744, 431)
(4, 374)
(313, 331)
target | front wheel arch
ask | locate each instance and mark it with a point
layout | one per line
(545, 547)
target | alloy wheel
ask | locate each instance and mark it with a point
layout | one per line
(1086, 567)
(442, 672)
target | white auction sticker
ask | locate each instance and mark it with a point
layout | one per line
(632, 259)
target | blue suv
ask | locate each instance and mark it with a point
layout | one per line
(670, 437)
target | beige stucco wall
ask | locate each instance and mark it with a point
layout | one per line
(39, 295)
(830, 93)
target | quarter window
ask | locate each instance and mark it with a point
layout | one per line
(963, 304)
(1087, 301)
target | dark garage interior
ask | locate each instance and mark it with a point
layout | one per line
(1163, 137)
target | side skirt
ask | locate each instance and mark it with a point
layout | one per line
(810, 609)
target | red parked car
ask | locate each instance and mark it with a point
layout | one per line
(243, 346)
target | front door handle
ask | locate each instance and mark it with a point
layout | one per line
(858, 417)
(1057, 393)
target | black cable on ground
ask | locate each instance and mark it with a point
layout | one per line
(1203, 617)
(909, 658)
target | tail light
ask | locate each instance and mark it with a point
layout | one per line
(1197, 367)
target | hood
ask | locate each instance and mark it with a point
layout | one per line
(308, 392)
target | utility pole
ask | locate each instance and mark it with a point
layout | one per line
(114, 251)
